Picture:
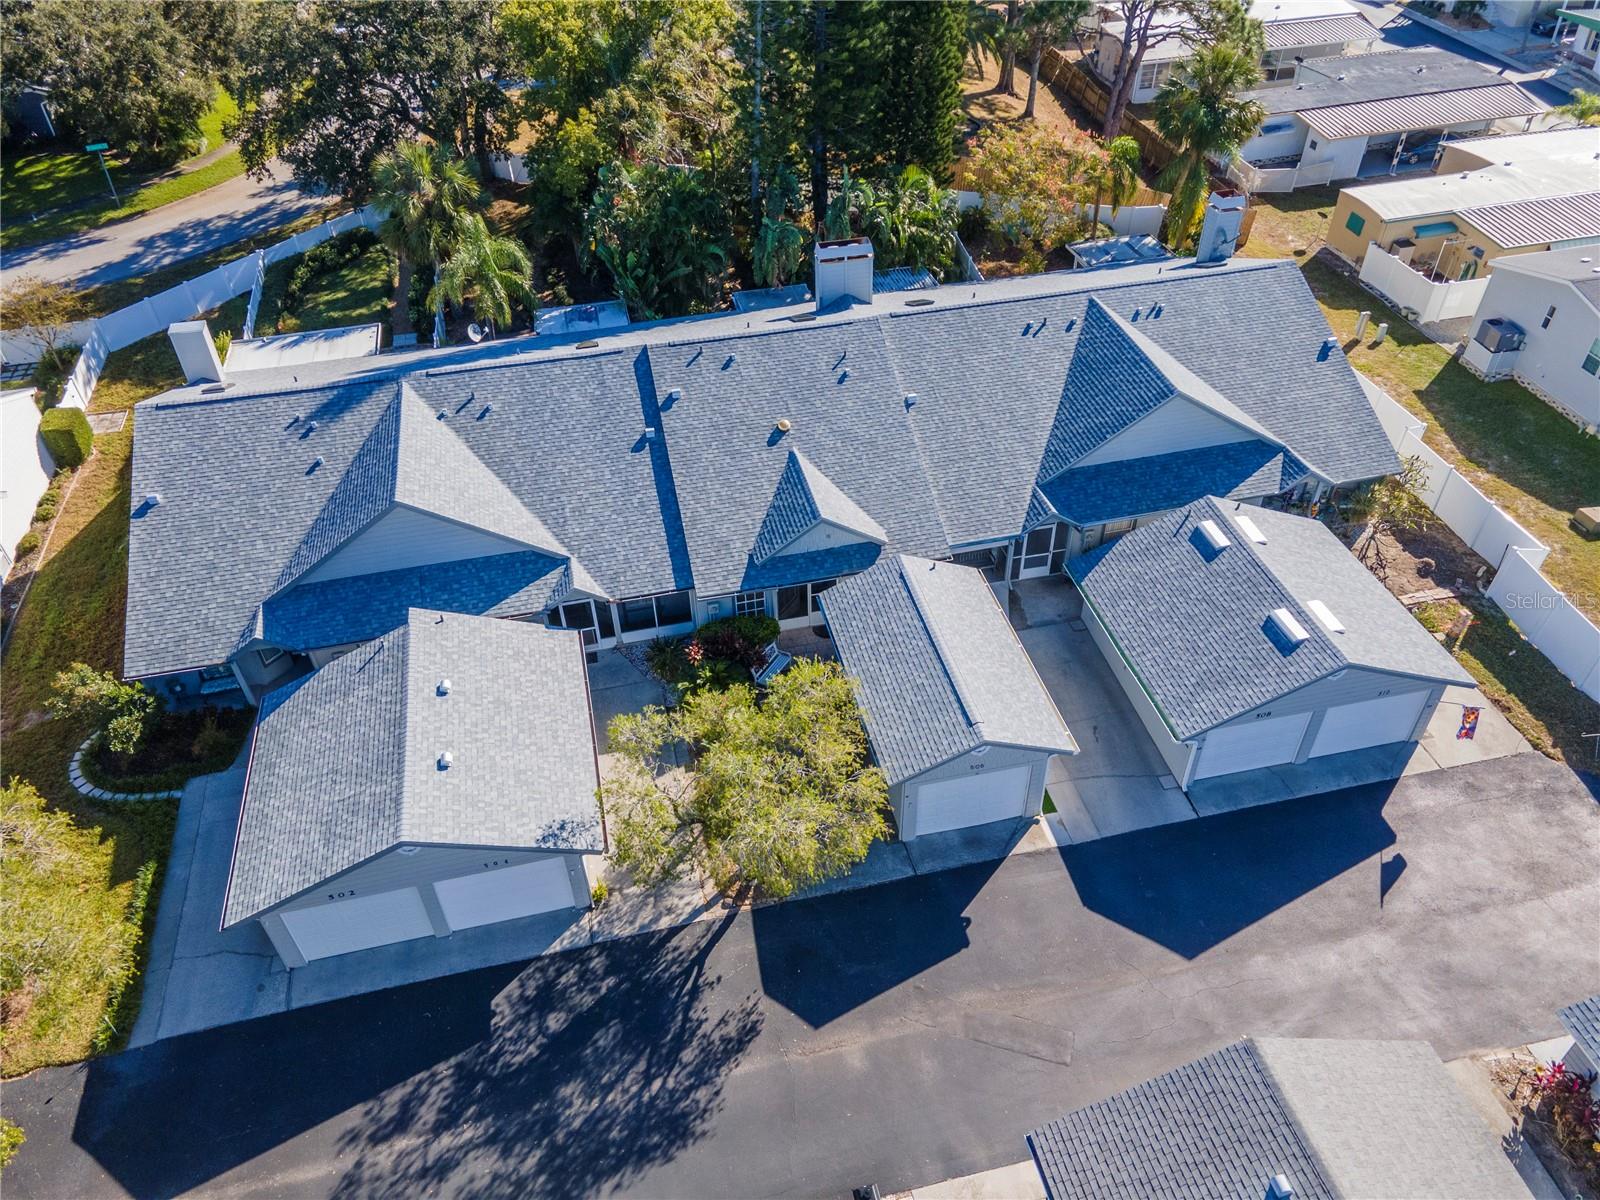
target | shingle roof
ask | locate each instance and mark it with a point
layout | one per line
(345, 766)
(1582, 1021)
(804, 497)
(1213, 1128)
(1193, 622)
(938, 667)
(1137, 487)
(557, 438)
(1346, 1119)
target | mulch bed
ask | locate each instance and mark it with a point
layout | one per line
(178, 747)
(1513, 1077)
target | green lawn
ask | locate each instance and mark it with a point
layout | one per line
(358, 293)
(1522, 683)
(47, 181)
(1518, 450)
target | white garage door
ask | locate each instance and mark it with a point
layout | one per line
(1368, 723)
(505, 894)
(358, 923)
(975, 800)
(1246, 747)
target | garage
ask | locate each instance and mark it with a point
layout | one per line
(359, 923)
(1368, 723)
(975, 800)
(1261, 743)
(960, 723)
(506, 894)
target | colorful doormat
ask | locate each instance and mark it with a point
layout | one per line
(1469, 724)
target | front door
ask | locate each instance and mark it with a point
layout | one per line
(591, 618)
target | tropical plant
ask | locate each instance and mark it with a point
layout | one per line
(422, 192)
(1114, 174)
(1584, 107)
(121, 712)
(1199, 111)
(496, 271)
(1046, 24)
(779, 249)
(662, 236)
(912, 223)
(1031, 180)
(984, 25)
(778, 795)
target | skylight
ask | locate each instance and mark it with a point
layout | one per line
(1250, 529)
(1325, 615)
(1289, 626)
(1215, 538)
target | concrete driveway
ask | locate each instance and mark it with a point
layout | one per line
(899, 1034)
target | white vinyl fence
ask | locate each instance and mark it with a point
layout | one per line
(1279, 179)
(1537, 607)
(189, 299)
(1414, 294)
(1131, 220)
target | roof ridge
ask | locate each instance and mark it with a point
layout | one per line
(922, 603)
(1275, 1086)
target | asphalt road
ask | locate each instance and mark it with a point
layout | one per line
(219, 216)
(900, 1034)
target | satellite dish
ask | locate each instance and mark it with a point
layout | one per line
(475, 332)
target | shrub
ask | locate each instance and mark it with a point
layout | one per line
(45, 510)
(120, 711)
(321, 259)
(755, 630)
(28, 543)
(599, 893)
(51, 372)
(66, 435)
(417, 299)
(222, 339)
(11, 1139)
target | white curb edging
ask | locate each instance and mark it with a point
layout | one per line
(84, 788)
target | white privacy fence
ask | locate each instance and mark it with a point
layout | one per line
(1279, 179)
(1538, 608)
(1130, 220)
(189, 299)
(1419, 297)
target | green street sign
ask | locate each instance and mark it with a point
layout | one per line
(96, 147)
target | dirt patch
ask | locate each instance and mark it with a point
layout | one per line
(984, 106)
(1421, 560)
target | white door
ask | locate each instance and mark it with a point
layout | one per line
(358, 923)
(1263, 743)
(974, 800)
(1368, 723)
(505, 894)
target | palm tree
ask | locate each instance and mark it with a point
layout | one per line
(912, 222)
(1046, 24)
(983, 31)
(495, 270)
(1114, 175)
(1199, 111)
(422, 190)
(1584, 109)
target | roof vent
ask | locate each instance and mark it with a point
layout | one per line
(152, 499)
(674, 395)
(1279, 1188)
(1325, 615)
(1250, 529)
(1288, 625)
(444, 687)
(920, 302)
(911, 400)
(445, 759)
(1215, 538)
(317, 462)
(784, 424)
(649, 433)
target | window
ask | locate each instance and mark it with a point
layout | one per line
(750, 604)
(269, 656)
(653, 612)
(1548, 317)
(674, 609)
(1591, 361)
(1312, 144)
(1355, 222)
(1147, 75)
(793, 602)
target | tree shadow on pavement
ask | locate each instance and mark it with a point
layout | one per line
(564, 1076)
(595, 1068)
(1192, 885)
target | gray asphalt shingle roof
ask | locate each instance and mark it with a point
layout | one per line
(804, 497)
(1582, 1021)
(938, 668)
(1341, 1119)
(1136, 487)
(1193, 622)
(345, 761)
(553, 445)
(1213, 1128)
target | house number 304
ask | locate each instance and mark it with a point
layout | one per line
(499, 862)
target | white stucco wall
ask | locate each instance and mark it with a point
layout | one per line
(25, 469)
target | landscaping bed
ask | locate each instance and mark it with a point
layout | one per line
(996, 257)
(176, 748)
(716, 656)
(1557, 1117)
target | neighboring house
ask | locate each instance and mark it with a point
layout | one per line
(1582, 1022)
(1312, 1119)
(1488, 197)
(437, 778)
(1304, 28)
(1585, 49)
(1363, 114)
(642, 480)
(1539, 320)
(1247, 638)
(959, 721)
(25, 470)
